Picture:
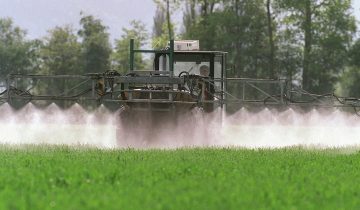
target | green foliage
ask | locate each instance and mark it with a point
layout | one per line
(122, 47)
(60, 55)
(96, 46)
(190, 15)
(161, 42)
(349, 83)
(354, 54)
(159, 21)
(239, 26)
(311, 38)
(307, 40)
(168, 6)
(160, 36)
(61, 52)
(17, 55)
(324, 30)
(68, 178)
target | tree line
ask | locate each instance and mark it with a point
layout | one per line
(311, 42)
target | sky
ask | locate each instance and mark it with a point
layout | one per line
(38, 16)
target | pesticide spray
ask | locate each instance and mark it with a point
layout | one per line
(267, 128)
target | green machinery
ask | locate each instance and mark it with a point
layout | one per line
(179, 80)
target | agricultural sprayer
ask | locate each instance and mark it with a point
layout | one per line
(182, 78)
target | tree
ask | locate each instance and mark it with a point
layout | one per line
(170, 29)
(238, 25)
(159, 22)
(96, 47)
(189, 16)
(168, 6)
(61, 52)
(165, 28)
(200, 21)
(271, 38)
(354, 54)
(122, 53)
(289, 55)
(336, 29)
(61, 55)
(17, 55)
(349, 84)
(326, 29)
(160, 37)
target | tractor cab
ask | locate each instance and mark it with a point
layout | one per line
(182, 76)
(203, 72)
(190, 61)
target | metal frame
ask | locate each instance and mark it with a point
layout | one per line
(252, 83)
(87, 89)
(169, 51)
(284, 97)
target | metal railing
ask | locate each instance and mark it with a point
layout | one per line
(235, 92)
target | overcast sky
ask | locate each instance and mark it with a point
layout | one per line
(38, 16)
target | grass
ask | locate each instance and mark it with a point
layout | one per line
(70, 178)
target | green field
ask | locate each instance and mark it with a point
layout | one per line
(69, 178)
